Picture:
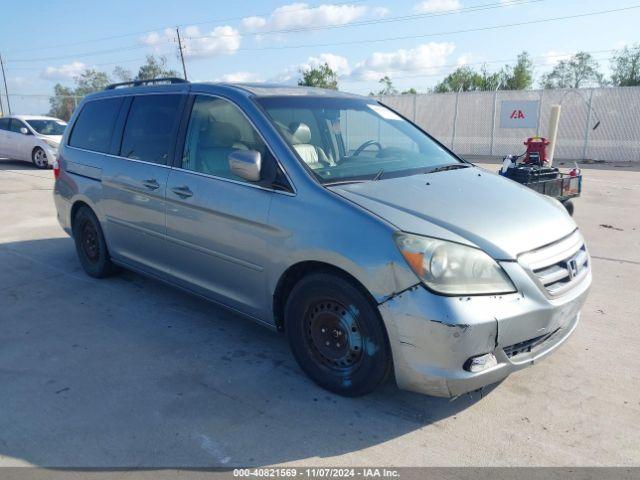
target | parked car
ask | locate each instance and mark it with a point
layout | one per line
(327, 216)
(31, 138)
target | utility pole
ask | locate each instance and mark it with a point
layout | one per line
(6, 91)
(184, 68)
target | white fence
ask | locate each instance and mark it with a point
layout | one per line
(469, 122)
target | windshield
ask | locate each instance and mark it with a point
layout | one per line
(353, 139)
(48, 127)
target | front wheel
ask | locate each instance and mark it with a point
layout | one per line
(336, 335)
(39, 158)
(568, 204)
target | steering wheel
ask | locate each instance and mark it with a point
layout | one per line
(366, 145)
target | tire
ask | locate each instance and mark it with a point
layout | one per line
(568, 204)
(39, 158)
(336, 335)
(90, 245)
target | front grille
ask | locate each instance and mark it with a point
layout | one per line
(560, 266)
(527, 346)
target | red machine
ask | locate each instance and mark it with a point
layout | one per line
(536, 153)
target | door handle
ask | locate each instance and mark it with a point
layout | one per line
(151, 184)
(182, 191)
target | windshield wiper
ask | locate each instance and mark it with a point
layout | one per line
(378, 175)
(451, 166)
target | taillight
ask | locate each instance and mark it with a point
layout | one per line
(56, 169)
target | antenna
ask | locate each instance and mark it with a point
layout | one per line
(184, 68)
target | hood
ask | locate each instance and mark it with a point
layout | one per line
(469, 205)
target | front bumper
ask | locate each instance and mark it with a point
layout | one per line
(433, 336)
(52, 155)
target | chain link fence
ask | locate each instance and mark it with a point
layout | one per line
(469, 122)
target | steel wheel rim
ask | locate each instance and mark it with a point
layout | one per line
(89, 241)
(334, 336)
(40, 158)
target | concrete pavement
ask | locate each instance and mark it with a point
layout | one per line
(128, 372)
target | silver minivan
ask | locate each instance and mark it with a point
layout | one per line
(327, 216)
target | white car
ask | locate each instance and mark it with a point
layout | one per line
(31, 138)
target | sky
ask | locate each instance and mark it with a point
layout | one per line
(415, 42)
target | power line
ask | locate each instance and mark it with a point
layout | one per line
(421, 75)
(205, 22)
(453, 32)
(471, 9)
(440, 74)
(420, 16)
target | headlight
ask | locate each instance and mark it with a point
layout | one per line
(52, 144)
(453, 269)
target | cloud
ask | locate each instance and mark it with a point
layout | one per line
(552, 57)
(301, 15)
(338, 64)
(222, 40)
(380, 12)
(432, 6)
(424, 58)
(64, 72)
(291, 74)
(241, 77)
(464, 59)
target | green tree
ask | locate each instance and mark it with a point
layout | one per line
(62, 102)
(410, 91)
(464, 79)
(122, 74)
(625, 66)
(321, 76)
(520, 76)
(581, 70)
(387, 86)
(155, 68)
(90, 81)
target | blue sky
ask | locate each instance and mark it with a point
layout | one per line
(44, 43)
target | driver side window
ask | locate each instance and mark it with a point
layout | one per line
(216, 129)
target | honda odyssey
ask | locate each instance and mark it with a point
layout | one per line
(330, 217)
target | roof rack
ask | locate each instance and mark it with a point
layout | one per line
(151, 81)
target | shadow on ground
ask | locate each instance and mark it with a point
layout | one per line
(128, 372)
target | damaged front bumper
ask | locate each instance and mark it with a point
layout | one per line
(433, 337)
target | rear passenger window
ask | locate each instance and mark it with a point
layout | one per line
(151, 127)
(94, 127)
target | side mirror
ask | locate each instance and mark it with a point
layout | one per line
(246, 164)
(24, 131)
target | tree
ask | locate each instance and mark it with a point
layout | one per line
(581, 70)
(155, 68)
(387, 88)
(466, 79)
(321, 76)
(520, 76)
(62, 102)
(410, 91)
(122, 74)
(625, 66)
(90, 81)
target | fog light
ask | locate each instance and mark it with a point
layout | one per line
(480, 363)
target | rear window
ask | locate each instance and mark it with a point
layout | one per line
(151, 128)
(4, 123)
(94, 127)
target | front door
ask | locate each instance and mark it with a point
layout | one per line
(217, 228)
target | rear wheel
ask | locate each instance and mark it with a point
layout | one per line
(90, 244)
(39, 158)
(336, 335)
